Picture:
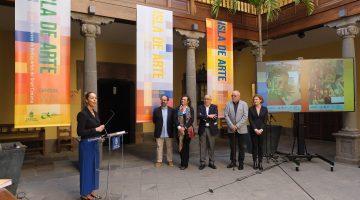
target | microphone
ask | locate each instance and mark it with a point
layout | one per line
(112, 115)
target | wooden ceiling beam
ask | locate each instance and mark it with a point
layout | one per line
(293, 19)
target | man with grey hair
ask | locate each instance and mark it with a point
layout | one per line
(236, 114)
(208, 115)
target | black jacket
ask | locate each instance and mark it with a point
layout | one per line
(158, 121)
(87, 124)
(203, 117)
(258, 121)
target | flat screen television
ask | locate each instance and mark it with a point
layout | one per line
(309, 85)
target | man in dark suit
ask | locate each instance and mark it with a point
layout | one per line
(208, 115)
(163, 118)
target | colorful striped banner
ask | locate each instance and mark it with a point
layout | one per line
(220, 79)
(42, 63)
(154, 60)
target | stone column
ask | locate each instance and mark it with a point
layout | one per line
(191, 42)
(90, 32)
(90, 29)
(348, 139)
(257, 51)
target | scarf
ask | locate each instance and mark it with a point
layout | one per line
(180, 115)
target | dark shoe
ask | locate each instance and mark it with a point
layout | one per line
(241, 167)
(202, 166)
(231, 165)
(182, 167)
(96, 196)
(260, 166)
(212, 166)
(255, 165)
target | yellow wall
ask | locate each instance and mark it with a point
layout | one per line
(7, 76)
(244, 73)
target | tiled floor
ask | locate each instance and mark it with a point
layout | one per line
(56, 177)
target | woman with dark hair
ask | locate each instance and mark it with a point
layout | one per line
(258, 116)
(89, 129)
(184, 119)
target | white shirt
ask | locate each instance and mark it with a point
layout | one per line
(207, 109)
(207, 113)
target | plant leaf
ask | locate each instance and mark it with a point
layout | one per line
(215, 8)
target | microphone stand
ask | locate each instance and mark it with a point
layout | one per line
(295, 158)
(269, 155)
(109, 136)
(234, 150)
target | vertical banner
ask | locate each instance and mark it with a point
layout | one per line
(220, 77)
(42, 63)
(154, 60)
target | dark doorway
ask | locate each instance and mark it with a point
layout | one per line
(119, 96)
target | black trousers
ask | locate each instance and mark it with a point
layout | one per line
(184, 153)
(237, 141)
(257, 150)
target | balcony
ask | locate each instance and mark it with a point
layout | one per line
(243, 6)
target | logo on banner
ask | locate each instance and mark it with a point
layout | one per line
(115, 142)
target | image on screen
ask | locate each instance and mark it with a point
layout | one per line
(316, 85)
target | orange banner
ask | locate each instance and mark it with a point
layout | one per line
(220, 79)
(42, 64)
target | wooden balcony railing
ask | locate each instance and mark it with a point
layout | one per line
(243, 6)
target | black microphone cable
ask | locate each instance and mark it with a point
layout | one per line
(302, 188)
(211, 190)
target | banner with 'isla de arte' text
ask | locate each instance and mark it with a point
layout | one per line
(154, 60)
(42, 63)
(220, 79)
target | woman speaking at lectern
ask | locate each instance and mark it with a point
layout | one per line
(89, 128)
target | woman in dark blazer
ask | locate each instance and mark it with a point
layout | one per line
(184, 118)
(258, 116)
(89, 129)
